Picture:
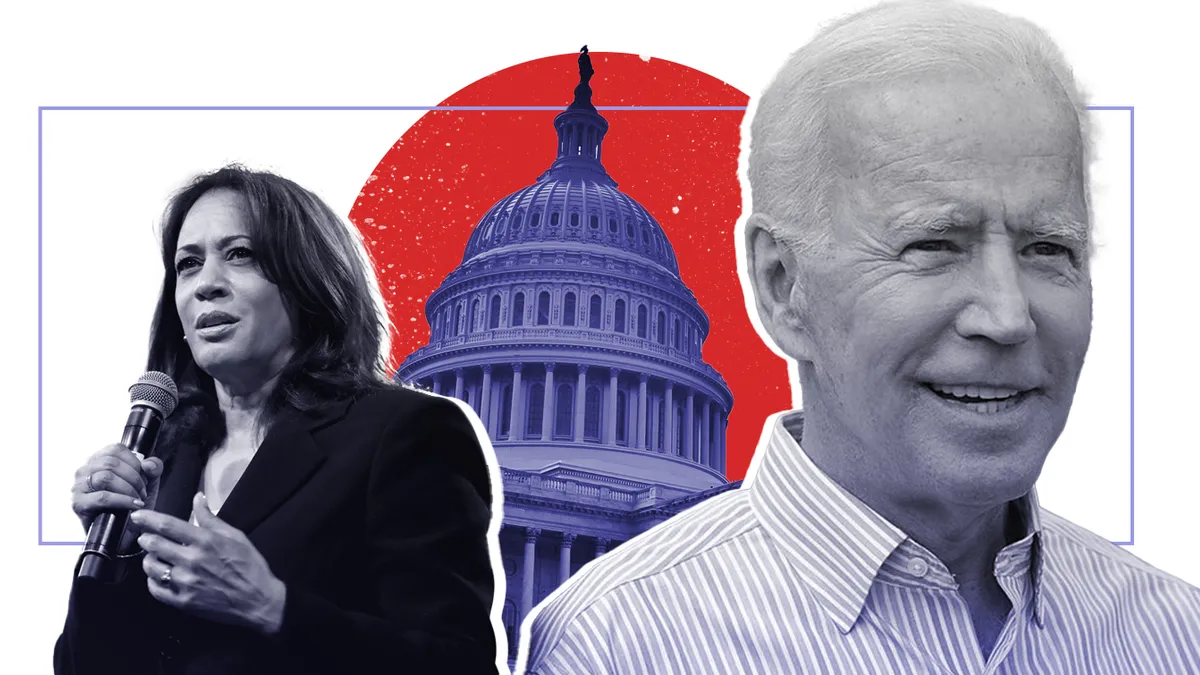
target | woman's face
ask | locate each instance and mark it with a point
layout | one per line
(233, 317)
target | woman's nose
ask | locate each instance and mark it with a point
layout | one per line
(211, 281)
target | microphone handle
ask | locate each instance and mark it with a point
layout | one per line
(97, 562)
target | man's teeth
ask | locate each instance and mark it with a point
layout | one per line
(970, 391)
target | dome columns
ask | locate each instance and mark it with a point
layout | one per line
(530, 559)
(485, 398)
(657, 414)
(610, 427)
(514, 425)
(548, 403)
(580, 394)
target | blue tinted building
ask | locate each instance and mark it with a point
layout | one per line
(568, 330)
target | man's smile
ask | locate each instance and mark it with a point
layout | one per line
(984, 399)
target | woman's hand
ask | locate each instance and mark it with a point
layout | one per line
(211, 570)
(115, 479)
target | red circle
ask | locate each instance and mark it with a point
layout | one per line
(418, 207)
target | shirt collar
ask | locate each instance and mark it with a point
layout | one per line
(1028, 554)
(838, 544)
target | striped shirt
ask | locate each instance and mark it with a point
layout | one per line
(793, 574)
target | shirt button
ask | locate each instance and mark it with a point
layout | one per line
(917, 567)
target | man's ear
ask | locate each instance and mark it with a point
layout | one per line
(779, 293)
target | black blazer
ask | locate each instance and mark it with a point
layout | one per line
(374, 513)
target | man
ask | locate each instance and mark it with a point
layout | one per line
(919, 244)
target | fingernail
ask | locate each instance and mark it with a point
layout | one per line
(136, 517)
(139, 503)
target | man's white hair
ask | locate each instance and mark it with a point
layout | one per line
(790, 168)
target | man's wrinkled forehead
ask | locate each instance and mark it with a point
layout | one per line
(956, 111)
(961, 135)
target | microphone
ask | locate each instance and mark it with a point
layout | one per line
(152, 399)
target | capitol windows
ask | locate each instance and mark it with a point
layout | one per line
(641, 321)
(662, 407)
(675, 335)
(574, 220)
(474, 325)
(594, 222)
(458, 319)
(543, 308)
(535, 220)
(518, 312)
(569, 309)
(629, 229)
(645, 238)
(678, 429)
(619, 316)
(662, 329)
(612, 225)
(564, 413)
(591, 414)
(505, 410)
(554, 218)
(622, 404)
(537, 400)
(494, 313)
(595, 313)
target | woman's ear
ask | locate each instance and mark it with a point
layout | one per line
(778, 286)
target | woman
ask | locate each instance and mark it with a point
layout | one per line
(306, 516)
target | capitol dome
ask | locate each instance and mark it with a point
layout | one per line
(573, 204)
(568, 329)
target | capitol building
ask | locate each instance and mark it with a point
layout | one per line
(569, 331)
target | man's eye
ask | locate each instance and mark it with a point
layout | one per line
(934, 246)
(1050, 249)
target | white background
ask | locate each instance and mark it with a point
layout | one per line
(108, 175)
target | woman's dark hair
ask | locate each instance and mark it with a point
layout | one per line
(303, 248)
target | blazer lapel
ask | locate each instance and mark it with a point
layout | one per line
(287, 458)
(180, 481)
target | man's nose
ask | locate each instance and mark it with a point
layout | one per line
(999, 305)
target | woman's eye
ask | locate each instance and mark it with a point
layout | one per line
(185, 264)
(240, 252)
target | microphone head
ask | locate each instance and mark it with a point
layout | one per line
(156, 390)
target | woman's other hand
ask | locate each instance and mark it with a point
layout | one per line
(210, 570)
(115, 479)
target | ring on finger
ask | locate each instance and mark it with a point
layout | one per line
(88, 483)
(165, 577)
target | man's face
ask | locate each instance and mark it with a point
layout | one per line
(944, 330)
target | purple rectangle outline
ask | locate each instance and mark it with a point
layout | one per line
(41, 109)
